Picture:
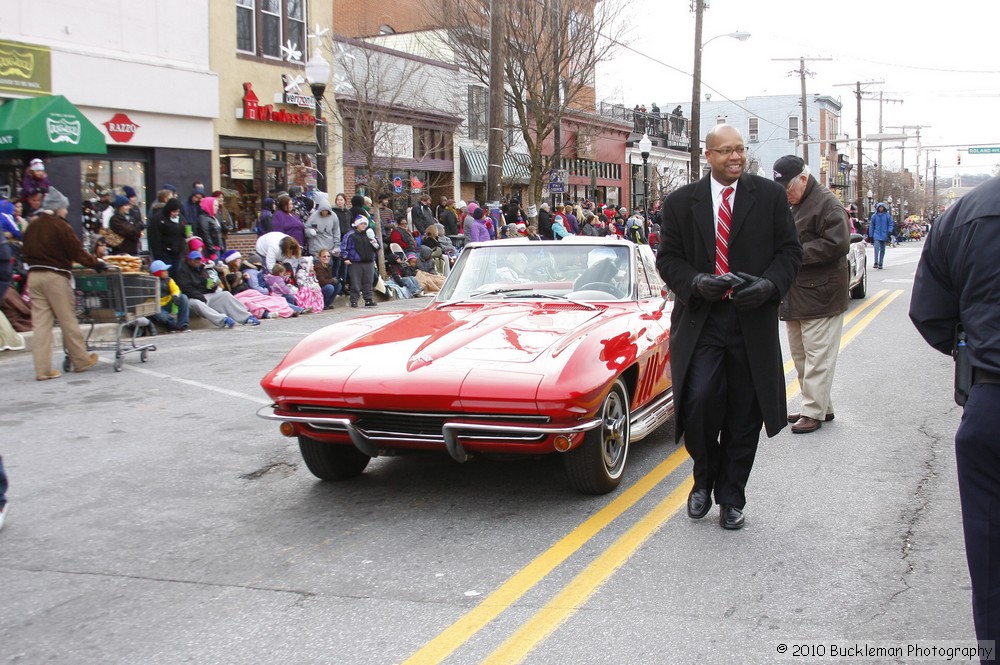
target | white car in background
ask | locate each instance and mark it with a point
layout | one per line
(857, 264)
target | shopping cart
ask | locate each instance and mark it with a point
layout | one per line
(115, 297)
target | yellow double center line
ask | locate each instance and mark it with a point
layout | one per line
(476, 619)
(848, 336)
(586, 583)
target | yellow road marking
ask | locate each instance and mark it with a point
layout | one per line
(583, 586)
(849, 335)
(566, 603)
(850, 316)
(523, 580)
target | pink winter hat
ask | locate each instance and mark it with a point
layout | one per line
(472, 208)
(208, 205)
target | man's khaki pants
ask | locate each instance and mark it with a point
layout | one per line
(52, 297)
(815, 345)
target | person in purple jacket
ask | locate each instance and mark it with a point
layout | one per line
(285, 221)
(478, 231)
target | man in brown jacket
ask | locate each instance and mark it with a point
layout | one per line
(50, 248)
(813, 309)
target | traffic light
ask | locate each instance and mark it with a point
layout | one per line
(958, 158)
(823, 164)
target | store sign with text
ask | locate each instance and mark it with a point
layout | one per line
(121, 128)
(292, 94)
(252, 110)
(241, 168)
(25, 69)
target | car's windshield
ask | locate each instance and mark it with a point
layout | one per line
(578, 271)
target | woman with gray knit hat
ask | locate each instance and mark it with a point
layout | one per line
(50, 248)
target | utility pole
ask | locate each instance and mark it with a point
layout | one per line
(878, 174)
(559, 34)
(927, 166)
(695, 133)
(801, 71)
(934, 197)
(860, 186)
(918, 128)
(496, 122)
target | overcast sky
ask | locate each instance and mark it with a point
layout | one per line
(942, 64)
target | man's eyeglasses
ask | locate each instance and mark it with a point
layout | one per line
(725, 152)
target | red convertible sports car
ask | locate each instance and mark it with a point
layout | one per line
(530, 348)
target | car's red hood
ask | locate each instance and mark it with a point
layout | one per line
(440, 345)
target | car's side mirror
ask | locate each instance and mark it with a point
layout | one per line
(668, 296)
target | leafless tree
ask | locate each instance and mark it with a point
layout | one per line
(386, 111)
(665, 176)
(552, 51)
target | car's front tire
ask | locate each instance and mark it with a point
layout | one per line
(596, 466)
(332, 461)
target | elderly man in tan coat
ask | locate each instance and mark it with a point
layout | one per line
(813, 309)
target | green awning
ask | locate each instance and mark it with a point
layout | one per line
(48, 124)
(516, 166)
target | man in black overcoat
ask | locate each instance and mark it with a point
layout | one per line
(725, 353)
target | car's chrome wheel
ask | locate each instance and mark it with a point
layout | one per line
(332, 461)
(596, 466)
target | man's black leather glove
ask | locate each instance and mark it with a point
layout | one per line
(101, 266)
(709, 287)
(755, 293)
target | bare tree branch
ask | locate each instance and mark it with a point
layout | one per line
(552, 51)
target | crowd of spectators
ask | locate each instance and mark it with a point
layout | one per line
(309, 252)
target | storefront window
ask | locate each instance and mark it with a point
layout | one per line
(302, 170)
(101, 175)
(239, 175)
(251, 170)
(403, 186)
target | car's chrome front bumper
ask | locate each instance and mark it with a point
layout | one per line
(368, 443)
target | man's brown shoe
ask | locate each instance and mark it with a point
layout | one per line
(805, 424)
(87, 365)
(52, 374)
(794, 417)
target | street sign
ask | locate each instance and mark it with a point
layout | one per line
(984, 151)
(558, 179)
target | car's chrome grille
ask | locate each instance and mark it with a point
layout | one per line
(403, 424)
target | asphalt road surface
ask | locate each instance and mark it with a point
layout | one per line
(154, 519)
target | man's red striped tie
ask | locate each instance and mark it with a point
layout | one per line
(722, 233)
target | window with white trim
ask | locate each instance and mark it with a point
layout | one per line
(752, 129)
(793, 126)
(264, 26)
(478, 107)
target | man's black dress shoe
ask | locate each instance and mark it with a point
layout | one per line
(730, 517)
(793, 417)
(699, 503)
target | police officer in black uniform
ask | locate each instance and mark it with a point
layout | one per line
(958, 283)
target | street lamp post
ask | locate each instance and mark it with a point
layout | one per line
(695, 134)
(317, 74)
(645, 145)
